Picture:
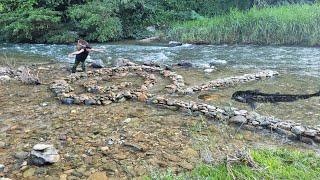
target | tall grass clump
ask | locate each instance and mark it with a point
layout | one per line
(285, 25)
(271, 164)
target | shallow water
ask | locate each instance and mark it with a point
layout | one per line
(299, 69)
(31, 114)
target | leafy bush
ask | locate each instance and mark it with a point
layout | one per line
(28, 25)
(49, 21)
(97, 20)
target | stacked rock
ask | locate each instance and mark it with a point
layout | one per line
(247, 120)
(230, 81)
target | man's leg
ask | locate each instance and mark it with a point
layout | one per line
(83, 65)
(75, 65)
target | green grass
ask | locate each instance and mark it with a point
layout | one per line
(273, 164)
(284, 25)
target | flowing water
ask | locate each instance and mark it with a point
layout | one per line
(299, 69)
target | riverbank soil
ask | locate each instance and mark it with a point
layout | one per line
(120, 140)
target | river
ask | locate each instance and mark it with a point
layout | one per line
(299, 69)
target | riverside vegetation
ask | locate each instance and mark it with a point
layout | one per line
(63, 21)
(285, 25)
(272, 164)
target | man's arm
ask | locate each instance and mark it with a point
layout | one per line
(96, 50)
(76, 52)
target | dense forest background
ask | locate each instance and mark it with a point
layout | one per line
(62, 21)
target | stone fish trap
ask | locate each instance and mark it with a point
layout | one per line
(98, 95)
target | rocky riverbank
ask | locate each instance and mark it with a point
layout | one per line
(122, 139)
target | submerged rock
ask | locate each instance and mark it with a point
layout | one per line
(90, 102)
(43, 154)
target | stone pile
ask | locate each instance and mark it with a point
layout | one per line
(22, 74)
(43, 154)
(98, 95)
(247, 120)
(229, 81)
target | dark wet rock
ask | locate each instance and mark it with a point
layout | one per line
(238, 119)
(283, 132)
(97, 64)
(21, 155)
(185, 64)
(2, 168)
(306, 140)
(43, 154)
(90, 102)
(174, 43)
(67, 101)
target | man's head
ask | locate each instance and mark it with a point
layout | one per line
(82, 44)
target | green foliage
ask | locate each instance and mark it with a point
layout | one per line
(51, 21)
(288, 25)
(27, 25)
(273, 164)
(61, 36)
(97, 20)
